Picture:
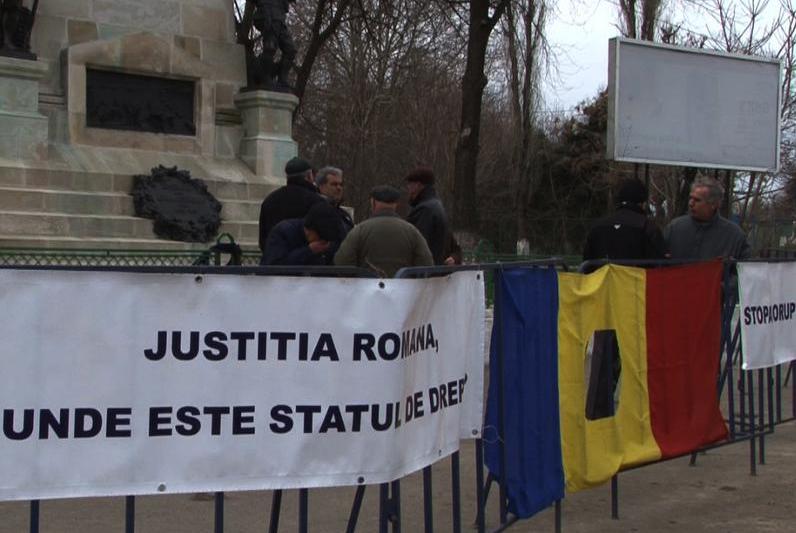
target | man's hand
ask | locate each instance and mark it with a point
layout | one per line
(319, 247)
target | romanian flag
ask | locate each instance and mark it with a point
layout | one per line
(600, 372)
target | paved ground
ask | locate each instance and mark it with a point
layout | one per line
(717, 494)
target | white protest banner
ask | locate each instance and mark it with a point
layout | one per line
(768, 313)
(119, 383)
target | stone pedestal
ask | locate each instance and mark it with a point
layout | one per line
(267, 142)
(23, 130)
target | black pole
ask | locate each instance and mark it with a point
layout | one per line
(428, 508)
(304, 510)
(34, 516)
(129, 514)
(615, 497)
(276, 508)
(219, 512)
(456, 494)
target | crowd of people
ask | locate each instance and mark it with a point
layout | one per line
(304, 223)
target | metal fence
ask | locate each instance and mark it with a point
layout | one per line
(119, 258)
(754, 402)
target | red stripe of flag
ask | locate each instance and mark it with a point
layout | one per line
(683, 343)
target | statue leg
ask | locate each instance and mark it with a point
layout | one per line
(2, 24)
(288, 57)
(267, 64)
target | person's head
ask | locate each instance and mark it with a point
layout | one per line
(322, 223)
(631, 192)
(384, 199)
(299, 168)
(417, 180)
(705, 198)
(330, 183)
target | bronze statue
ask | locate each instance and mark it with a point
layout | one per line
(16, 25)
(270, 18)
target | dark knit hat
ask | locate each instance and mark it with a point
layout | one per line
(631, 191)
(296, 167)
(422, 175)
(323, 218)
(386, 194)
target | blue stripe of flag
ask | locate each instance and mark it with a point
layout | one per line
(526, 330)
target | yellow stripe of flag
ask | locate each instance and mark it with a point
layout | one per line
(612, 298)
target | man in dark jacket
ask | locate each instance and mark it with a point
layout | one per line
(385, 242)
(627, 233)
(293, 200)
(312, 240)
(428, 214)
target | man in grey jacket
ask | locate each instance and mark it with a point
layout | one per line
(703, 233)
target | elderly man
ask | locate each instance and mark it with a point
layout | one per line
(330, 184)
(293, 200)
(385, 242)
(703, 233)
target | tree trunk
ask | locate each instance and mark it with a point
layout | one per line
(465, 214)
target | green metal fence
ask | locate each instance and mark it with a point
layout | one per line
(178, 258)
(122, 258)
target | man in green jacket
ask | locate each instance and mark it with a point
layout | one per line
(385, 242)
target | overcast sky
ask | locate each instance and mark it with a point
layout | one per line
(579, 34)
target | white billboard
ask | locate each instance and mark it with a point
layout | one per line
(682, 106)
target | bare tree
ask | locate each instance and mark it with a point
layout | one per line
(384, 95)
(639, 18)
(483, 16)
(527, 51)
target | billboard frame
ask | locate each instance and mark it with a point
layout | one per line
(614, 57)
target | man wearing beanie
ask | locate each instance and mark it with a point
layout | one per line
(428, 214)
(385, 242)
(290, 201)
(308, 241)
(627, 233)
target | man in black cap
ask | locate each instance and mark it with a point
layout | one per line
(385, 242)
(627, 233)
(428, 214)
(312, 240)
(293, 200)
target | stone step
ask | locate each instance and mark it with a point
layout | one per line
(37, 242)
(18, 244)
(100, 203)
(96, 226)
(65, 202)
(50, 179)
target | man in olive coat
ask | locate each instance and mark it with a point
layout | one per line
(385, 242)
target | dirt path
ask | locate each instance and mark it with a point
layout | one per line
(717, 494)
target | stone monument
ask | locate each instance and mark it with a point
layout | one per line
(118, 88)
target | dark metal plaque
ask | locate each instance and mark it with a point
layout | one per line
(182, 207)
(131, 102)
